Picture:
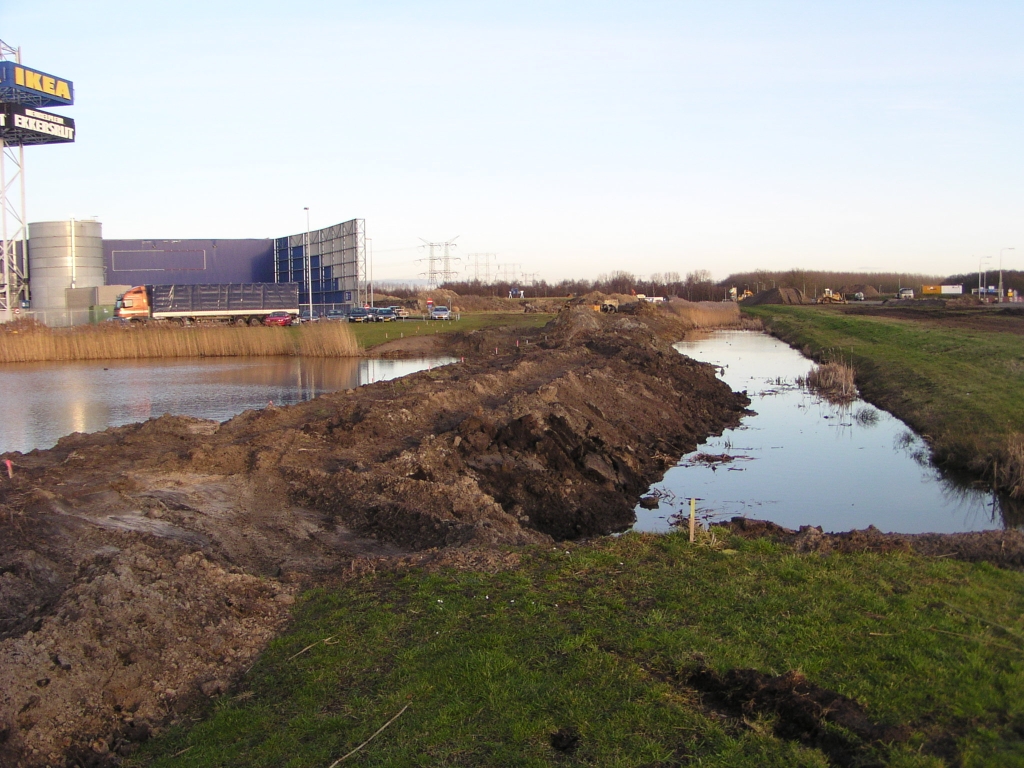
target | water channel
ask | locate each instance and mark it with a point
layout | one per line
(802, 461)
(44, 401)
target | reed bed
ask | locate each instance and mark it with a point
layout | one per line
(127, 342)
(708, 314)
(1012, 467)
(834, 381)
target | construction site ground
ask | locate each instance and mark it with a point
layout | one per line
(143, 569)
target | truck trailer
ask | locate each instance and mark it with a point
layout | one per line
(240, 303)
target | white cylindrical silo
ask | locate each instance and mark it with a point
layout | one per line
(62, 255)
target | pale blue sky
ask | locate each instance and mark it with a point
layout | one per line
(572, 138)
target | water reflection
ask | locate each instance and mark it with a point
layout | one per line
(803, 461)
(44, 401)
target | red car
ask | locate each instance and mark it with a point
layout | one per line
(278, 318)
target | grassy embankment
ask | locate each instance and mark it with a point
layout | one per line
(599, 642)
(961, 388)
(371, 334)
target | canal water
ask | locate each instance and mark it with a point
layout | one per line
(803, 461)
(42, 402)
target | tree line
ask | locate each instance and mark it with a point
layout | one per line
(698, 285)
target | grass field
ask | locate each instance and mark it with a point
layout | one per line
(963, 388)
(599, 644)
(371, 334)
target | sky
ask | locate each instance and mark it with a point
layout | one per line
(571, 139)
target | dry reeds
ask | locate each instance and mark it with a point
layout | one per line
(119, 342)
(1012, 466)
(833, 381)
(708, 314)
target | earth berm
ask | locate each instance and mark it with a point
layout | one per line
(146, 566)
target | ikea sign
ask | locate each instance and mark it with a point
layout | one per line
(21, 85)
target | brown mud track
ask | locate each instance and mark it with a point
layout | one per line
(146, 566)
(802, 711)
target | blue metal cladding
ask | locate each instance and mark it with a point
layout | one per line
(188, 262)
(337, 259)
(22, 85)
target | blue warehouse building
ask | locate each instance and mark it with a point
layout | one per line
(337, 255)
(189, 262)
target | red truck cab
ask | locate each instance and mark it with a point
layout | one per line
(134, 304)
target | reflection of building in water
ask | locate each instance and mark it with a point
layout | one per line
(46, 401)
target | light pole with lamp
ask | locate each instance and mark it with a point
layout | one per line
(309, 267)
(1001, 272)
(982, 289)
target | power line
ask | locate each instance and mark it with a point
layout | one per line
(439, 261)
(481, 263)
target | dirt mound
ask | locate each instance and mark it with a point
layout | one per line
(143, 567)
(1003, 548)
(777, 296)
(869, 291)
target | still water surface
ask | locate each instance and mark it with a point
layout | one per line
(42, 402)
(801, 461)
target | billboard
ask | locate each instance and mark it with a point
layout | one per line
(21, 85)
(20, 125)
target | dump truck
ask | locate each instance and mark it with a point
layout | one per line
(239, 303)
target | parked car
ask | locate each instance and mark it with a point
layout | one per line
(278, 318)
(360, 315)
(440, 313)
(384, 315)
(336, 314)
(304, 316)
(905, 293)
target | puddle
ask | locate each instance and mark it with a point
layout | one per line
(44, 401)
(801, 461)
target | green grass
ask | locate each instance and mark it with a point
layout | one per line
(371, 334)
(963, 388)
(601, 638)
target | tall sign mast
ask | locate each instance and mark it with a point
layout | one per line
(22, 92)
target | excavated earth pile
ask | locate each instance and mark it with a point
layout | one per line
(146, 566)
(777, 296)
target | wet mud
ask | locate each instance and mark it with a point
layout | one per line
(802, 711)
(145, 567)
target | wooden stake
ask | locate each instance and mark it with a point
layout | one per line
(693, 518)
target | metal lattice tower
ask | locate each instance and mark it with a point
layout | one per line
(508, 272)
(481, 262)
(13, 226)
(439, 253)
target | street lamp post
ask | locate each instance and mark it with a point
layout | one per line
(309, 267)
(1001, 273)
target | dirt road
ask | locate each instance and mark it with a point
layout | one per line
(146, 566)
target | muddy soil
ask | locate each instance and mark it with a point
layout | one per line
(146, 566)
(1002, 548)
(800, 710)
